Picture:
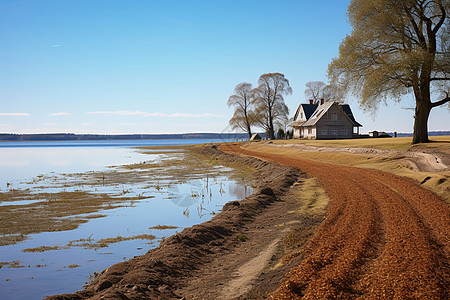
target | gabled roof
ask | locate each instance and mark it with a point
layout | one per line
(308, 109)
(322, 109)
(313, 113)
(318, 113)
(346, 108)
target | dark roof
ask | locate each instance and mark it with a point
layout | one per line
(309, 109)
(318, 113)
(349, 113)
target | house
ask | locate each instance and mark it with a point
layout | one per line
(329, 120)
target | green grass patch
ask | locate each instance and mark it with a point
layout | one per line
(241, 238)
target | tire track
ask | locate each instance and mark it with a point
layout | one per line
(384, 237)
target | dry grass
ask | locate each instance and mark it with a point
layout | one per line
(119, 239)
(400, 143)
(12, 264)
(163, 227)
(313, 201)
(438, 182)
(89, 243)
(42, 249)
(60, 211)
(72, 266)
(313, 197)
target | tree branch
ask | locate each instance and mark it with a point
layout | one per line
(442, 19)
(441, 102)
(439, 78)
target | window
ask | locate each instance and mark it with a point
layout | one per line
(309, 130)
(323, 131)
(334, 116)
(301, 116)
(334, 131)
(344, 131)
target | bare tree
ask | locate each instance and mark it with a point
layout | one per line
(318, 90)
(332, 92)
(269, 101)
(314, 90)
(397, 47)
(242, 99)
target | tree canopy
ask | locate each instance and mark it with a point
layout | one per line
(269, 101)
(397, 47)
(318, 90)
(244, 116)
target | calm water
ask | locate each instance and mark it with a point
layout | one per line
(181, 203)
(23, 160)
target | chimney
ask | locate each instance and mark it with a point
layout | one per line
(321, 101)
(311, 101)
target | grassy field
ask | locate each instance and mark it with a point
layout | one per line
(394, 162)
(401, 143)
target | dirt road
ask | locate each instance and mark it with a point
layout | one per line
(384, 237)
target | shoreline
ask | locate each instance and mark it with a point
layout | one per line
(360, 234)
(162, 272)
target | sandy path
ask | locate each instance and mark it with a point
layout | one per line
(384, 237)
(241, 284)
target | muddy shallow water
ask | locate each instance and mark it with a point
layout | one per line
(154, 188)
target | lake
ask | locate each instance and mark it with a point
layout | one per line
(70, 210)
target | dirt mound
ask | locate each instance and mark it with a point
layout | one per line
(161, 271)
(384, 237)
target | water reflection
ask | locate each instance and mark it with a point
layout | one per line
(165, 190)
(17, 164)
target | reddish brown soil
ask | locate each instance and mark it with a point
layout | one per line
(384, 237)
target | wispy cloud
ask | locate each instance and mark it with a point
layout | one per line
(14, 114)
(56, 45)
(156, 114)
(183, 115)
(60, 114)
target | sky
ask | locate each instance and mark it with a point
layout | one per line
(165, 66)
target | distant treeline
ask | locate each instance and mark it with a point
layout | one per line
(430, 133)
(93, 137)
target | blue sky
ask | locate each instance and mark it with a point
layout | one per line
(142, 66)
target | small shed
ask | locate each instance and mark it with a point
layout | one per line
(255, 137)
(379, 134)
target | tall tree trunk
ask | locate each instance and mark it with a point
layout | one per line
(271, 131)
(249, 130)
(423, 109)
